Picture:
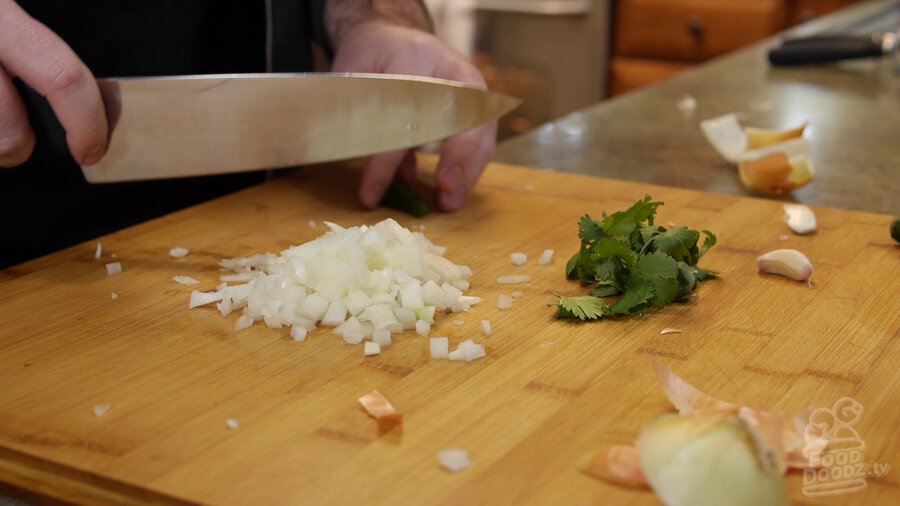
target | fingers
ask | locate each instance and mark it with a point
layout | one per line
(463, 159)
(16, 137)
(30, 51)
(378, 175)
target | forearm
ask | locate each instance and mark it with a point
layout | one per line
(341, 16)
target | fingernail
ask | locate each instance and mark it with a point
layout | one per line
(451, 178)
(451, 201)
(94, 156)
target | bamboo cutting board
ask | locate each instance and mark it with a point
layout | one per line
(547, 392)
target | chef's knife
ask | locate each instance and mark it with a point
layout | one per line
(170, 127)
(829, 48)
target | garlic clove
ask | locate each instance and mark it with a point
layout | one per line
(801, 219)
(789, 263)
(707, 459)
(760, 137)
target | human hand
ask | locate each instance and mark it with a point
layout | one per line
(36, 55)
(380, 47)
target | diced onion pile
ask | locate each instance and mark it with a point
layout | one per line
(367, 282)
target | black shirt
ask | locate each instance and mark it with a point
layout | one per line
(46, 205)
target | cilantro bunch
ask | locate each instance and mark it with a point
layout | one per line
(626, 254)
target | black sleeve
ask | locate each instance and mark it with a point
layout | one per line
(296, 24)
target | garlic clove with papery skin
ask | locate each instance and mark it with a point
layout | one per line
(789, 263)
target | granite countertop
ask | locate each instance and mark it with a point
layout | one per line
(853, 109)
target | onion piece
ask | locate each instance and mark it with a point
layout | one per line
(546, 257)
(777, 172)
(619, 465)
(298, 333)
(486, 327)
(670, 330)
(687, 105)
(185, 280)
(707, 459)
(504, 302)
(178, 252)
(245, 321)
(439, 348)
(516, 294)
(514, 279)
(790, 438)
(761, 137)
(686, 398)
(382, 337)
(470, 350)
(423, 328)
(113, 296)
(371, 348)
(453, 459)
(99, 251)
(232, 424)
(380, 408)
(202, 298)
(113, 268)
(102, 409)
(518, 258)
(726, 136)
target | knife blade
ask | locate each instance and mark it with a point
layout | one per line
(171, 127)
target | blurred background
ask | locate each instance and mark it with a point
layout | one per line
(564, 55)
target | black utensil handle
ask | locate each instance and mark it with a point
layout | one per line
(823, 49)
(44, 123)
(819, 39)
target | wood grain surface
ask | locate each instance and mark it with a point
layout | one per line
(547, 392)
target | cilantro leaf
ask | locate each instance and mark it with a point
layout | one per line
(661, 272)
(622, 223)
(402, 197)
(679, 243)
(606, 273)
(605, 291)
(625, 253)
(611, 248)
(589, 230)
(637, 292)
(709, 242)
(584, 307)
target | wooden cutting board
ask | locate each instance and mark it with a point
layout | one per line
(547, 392)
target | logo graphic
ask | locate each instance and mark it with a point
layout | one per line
(841, 468)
